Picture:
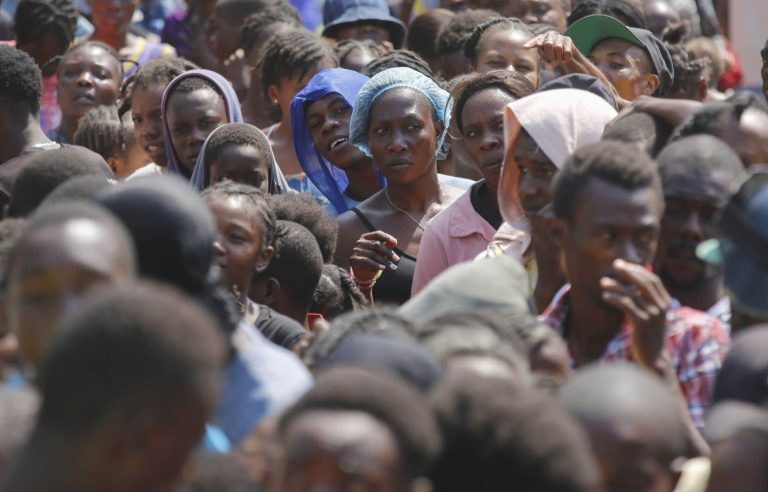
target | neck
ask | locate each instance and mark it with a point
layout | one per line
(115, 39)
(363, 181)
(68, 128)
(19, 137)
(590, 326)
(702, 297)
(49, 463)
(283, 130)
(418, 195)
(489, 195)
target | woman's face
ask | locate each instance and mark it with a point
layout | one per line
(146, 109)
(242, 164)
(239, 239)
(503, 49)
(113, 15)
(402, 135)
(483, 132)
(191, 117)
(328, 122)
(88, 77)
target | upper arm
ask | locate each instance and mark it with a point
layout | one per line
(350, 230)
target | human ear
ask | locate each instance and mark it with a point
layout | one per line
(558, 230)
(273, 93)
(650, 84)
(272, 292)
(112, 163)
(263, 259)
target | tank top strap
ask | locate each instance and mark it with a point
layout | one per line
(363, 218)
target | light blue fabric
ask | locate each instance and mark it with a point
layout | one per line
(391, 79)
(262, 380)
(327, 178)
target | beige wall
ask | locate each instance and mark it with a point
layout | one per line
(749, 30)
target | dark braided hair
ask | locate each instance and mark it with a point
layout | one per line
(290, 54)
(472, 46)
(626, 13)
(336, 293)
(280, 13)
(101, 131)
(512, 83)
(35, 17)
(688, 71)
(158, 72)
(253, 197)
(349, 46)
(399, 58)
(455, 34)
(423, 32)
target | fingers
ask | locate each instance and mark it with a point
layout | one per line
(554, 48)
(624, 298)
(649, 284)
(382, 236)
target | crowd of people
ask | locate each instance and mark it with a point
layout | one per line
(371, 246)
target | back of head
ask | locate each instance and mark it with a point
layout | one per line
(102, 131)
(399, 58)
(454, 35)
(641, 129)
(336, 293)
(423, 32)
(20, 79)
(616, 395)
(128, 349)
(699, 156)
(389, 401)
(172, 229)
(46, 170)
(81, 188)
(291, 54)
(498, 438)
(615, 163)
(622, 10)
(303, 209)
(280, 13)
(297, 262)
(34, 18)
(744, 374)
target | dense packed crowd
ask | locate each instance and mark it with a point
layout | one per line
(360, 246)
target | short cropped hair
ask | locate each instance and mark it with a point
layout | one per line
(280, 13)
(391, 402)
(238, 134)
(643, 129)
(701, 153)
(618, 164)
(304, 210)
(336, 293)
(455, 34)
(20, 78)
(128, 346)
(625, 12)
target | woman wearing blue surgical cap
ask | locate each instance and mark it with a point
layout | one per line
(320, 116)
(400, 119)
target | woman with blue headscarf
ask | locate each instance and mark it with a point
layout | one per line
(400, 119)
(320, 116)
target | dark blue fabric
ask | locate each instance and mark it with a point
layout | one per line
(330, 180)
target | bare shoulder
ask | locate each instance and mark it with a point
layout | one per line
(350, 230)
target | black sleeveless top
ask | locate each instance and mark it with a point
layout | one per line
(392, 287)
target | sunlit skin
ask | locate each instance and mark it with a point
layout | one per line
(749, 136)
(659, 14)
(191, 118)
(627, 66)
(147, 122)
(550, 12)
(242, 164)
(693, 205)
(502, 49)
(357, 60)
(87, 77)
(57, 266)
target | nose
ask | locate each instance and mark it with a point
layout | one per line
(491, 141)
(329, 124)
(530, 18)
(528, 186)
(218, 246)
(691, 227)
(397, 144)
(85, 78)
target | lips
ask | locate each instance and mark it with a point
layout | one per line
(493, 164)
(154, 150)
(84, 97)
(337, 142)
(399, 164)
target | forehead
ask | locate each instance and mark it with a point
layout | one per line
(619, 46)
(506, 37)
(327, 99)
(604, 203)
(88, 52)
(681, 181)
(400, 101)
(492, 96)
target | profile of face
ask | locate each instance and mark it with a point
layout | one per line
(328, 122)
(222, 33)
(339, 450)
(627, 66)
(284, 92)
(502, 49)
(536, 174)
(628, 457)
(112, 15)
(56, 267)
(239, 243)
(608, 223)
(191, 117)
(693, 205)
(87, 77)
(146, 113)
(483, 132)
(550, 12)
(362, 30)
(403, 135)
(244, 164)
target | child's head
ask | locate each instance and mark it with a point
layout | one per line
(452, 38)
(45, 30)
(260, 27)
(498, 45)
(223, 26)
(194, 108)
(289, 61)
(356, 55)
(144, 94)
(102, 131)
(246, 232)
(241, 153)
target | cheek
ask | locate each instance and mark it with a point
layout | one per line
(533, 77)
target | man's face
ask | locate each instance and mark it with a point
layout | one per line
(693, 203)
(550, 12)
(609, 223)
(627, 66)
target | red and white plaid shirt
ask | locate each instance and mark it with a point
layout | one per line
(696, 344)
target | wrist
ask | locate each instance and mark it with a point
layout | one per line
(365, 285)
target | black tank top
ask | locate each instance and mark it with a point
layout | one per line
(392, 287)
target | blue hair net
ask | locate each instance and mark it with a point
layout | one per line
(329, 179)
(391, 79)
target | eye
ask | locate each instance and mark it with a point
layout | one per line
(523, 68)
(103, 74)
(496, 64)
(471, 133)
(137, 120)
(380, 131)
(413, 127)
(616, 66)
